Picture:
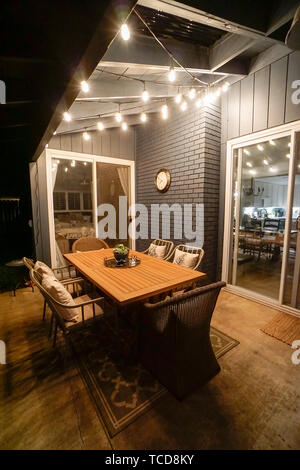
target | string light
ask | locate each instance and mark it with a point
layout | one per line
(54, 133)
(265, 162)
(225, 87)
(66, 169)
(247, 152)
(100, 126)
(178, 97)
(124, 126)
(271, 142)
(249, 164)
(73, 163)
(192, 93)
(198, 102)
(125, 32)
(183, 106)
(86, 135)
(172, 74)
(47, 145)
(252, 172)
(164, 111)
(288, 155)
(67, 116)
(118, 115)
(145, 94)
(260, 147)
(84, 86)
(143, 117)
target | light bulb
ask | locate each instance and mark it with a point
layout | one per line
(164, 111)
(249, 164)
(100, 126)
(172, 74)
(143, 117)
(266, 162)
(73, 163)
(247, 152)
(183, 106)
(84, 86)
(54, 133)
(84, 163)
(119, 117)
(288, 155)
(260, 147)
(273, 170)
(145, 96)
(125, 32)
(124, 126)
(198, 102)
(207, 98)
(271, 142)
(252, 172)
(86, 136)
(66, 169)
(67, 116)
(192, 93)
(225, 87)
(178, 98)
(47, 145)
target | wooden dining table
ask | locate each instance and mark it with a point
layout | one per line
(125, 285)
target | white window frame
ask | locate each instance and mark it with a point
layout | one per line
(84, 157)
(240, 142)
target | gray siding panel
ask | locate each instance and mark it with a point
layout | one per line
(234, 110)
(292, 110)
(277, 92)
(246, 113)
(261, 99)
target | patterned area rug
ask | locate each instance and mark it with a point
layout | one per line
(121, 388)
(284, 327)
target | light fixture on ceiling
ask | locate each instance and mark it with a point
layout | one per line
(73, 163)
(100, 126)
(124, 126)
(67, 116)
(178, 97)
(164, 111)
(247, 152)
(198, 102)
(143, 117)
(172, 74)
(85, 163)
(183, 106)
(54, 133)
(66, 169)
(86, 135)
(192, 93)
(125, 32)
(47, 145)
(260, 147)
(272, 170)
(118, 115)
(84, 86)
(145, 94)
(225, 87)
(265, 162)
(271, 142)
(288, 155)
(252, 172)
(249, 164)
(289, 144)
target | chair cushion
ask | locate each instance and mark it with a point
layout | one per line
(157, 251)
(43, 269)
(60, 293)
(189, 260)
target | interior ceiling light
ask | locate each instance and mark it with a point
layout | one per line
(247, 152)
(266, 162)
(172, 74)
(67, 116)
(178, 97)
(192, 93)
(289, 144)
(288, 155)
(47, 145)
(183, 106)
(145, 95)
(118, 116)
(73, 163)
(271, 142)
(198, 102)
(84, 86)
(100, 126)
(86, 136)
(164, 111)
(249, 164)
(143, 117)
(124, 126)
(272, 170)
(225, 87)
(54, 133)
(125, 32)
(66, 169)
(252, 172)
(260, 147)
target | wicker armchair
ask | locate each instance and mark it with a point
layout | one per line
(65, 274)
(174, 339)
(188, 249)
(88, 243)
(88, 305)
(167, 243)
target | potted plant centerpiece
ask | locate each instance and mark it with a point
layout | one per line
(121, 253)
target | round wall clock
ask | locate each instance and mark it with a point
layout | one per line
(162, 180)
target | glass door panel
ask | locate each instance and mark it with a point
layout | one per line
(72, 203)
(260, 183)
(113, 188)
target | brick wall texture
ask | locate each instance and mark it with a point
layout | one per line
(188, 145)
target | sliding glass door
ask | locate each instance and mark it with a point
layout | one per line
(262, 223)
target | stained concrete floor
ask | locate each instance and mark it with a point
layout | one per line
(252, 404)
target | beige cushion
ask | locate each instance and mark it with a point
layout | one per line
(60, 293)
(157, 251)
(43, 269)
(188, 260)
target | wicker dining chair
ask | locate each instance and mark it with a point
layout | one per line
(88, 304)
(175, 341)
(88, 243)
(188, 249)
(160, 242)
(65, 274)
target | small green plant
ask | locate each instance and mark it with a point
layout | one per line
(121, 249)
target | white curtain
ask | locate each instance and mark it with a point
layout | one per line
(124, 179)
(60, 260)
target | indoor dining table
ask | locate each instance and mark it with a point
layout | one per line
(124, 285)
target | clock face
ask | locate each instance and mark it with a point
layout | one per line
(163, 180)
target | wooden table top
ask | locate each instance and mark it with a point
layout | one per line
(124, 285)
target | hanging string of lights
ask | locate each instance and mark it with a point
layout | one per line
(204, 92)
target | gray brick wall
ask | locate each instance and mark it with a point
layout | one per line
(188, 145)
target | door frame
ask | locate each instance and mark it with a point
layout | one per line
(238, 143)
(68, 155)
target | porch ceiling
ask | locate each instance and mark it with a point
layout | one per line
(215, 41)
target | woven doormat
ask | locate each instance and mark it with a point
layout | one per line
(284, 327)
